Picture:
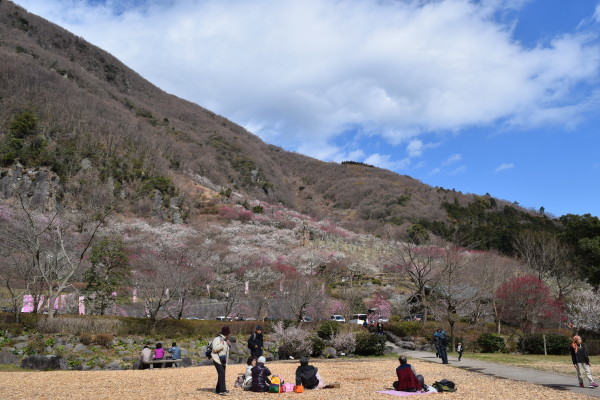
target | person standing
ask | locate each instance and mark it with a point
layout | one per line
(442, 340)
(436, 334)
(459, 350)
(255, 342)
(581, 361)
(220, 356)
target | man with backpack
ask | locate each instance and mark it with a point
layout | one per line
(255, 342)
(442, 343)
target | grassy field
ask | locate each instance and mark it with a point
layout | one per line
(556, 364)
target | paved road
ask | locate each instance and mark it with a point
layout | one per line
(554, 381)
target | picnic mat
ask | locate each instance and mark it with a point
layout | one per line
(399, 393)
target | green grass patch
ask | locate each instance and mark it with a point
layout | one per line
(12, 368)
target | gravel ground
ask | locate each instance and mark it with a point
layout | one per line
(359, 379)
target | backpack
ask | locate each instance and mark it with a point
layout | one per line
(275, 386)
(444, 340)
(444, 386)
(208, 351)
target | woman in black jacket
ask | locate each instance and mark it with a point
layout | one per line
(260, 376)
(581, 361)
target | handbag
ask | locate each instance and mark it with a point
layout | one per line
(288, 387)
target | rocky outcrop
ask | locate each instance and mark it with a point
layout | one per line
(41, 363)
(38, 187)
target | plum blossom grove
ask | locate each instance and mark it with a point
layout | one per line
(258, 260)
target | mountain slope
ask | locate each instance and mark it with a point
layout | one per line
(113, 137)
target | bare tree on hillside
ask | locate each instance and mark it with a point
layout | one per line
(303, 295)
(56, 253)
(549, 258)
(418, 266)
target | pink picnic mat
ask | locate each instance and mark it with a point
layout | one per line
(399, 393)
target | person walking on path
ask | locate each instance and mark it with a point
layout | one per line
(436, 334)
(442, 342)
(255, 342)
(581, 361)
(220, 356)
(459, 350)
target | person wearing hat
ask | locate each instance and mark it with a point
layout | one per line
(220, 356)
(255, 342)
(260, 376)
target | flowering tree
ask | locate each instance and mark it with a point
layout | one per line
(583, 309)
(526, 301)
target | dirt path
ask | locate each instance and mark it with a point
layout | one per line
(360, 379)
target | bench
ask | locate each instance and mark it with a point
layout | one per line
(164, 363)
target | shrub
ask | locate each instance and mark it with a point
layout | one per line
(404, 328)
(555, 344)
(318, 345)
(104, 339)
(78, 325)
(369, 345)
(344, 342)
(294, 342)
(328, 329)
(490, 343)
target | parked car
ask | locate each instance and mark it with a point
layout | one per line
(338, 318)
(362, 317)
(383, 320)
(223, 318)
(306, 318)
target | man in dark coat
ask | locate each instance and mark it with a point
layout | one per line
(306, 375)
(255, 342)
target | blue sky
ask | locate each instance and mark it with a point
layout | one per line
(483, 96)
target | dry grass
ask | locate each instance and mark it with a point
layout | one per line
(359, 380)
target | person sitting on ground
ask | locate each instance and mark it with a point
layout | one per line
(146, 358)
(581, 361)
(260, 376)
(308, 376)
(174, 351)
(250, 363)
(408, 380)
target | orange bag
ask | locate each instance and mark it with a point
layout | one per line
(298, 389)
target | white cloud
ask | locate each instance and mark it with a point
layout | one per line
(294, 71)
(415, 148)
(435, 171)
(454, 158)
(460, 170)
(385, 161)
(504, 167)
(597, 13)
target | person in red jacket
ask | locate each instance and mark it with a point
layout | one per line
(408, 380)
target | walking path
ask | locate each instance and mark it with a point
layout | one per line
(547, 379)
